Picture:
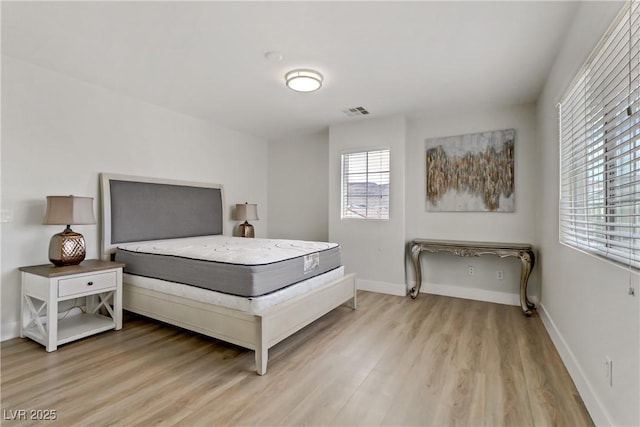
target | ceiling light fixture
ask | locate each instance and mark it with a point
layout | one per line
(303, 80)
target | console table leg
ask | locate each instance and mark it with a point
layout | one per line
(415, 258)
(527, 264)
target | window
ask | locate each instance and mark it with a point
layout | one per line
(365, 185)
(600, 148)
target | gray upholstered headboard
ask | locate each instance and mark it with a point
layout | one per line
(136, 209)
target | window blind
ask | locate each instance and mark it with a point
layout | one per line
(365, 185)
(600, 147)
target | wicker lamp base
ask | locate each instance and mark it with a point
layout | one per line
(67, 248)
(246, 230)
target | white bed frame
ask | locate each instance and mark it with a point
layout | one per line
(256, 332)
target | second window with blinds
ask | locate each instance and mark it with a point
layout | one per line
(365, 185)
(600, 148)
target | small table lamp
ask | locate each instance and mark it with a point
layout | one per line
(67, 247)
(246, 212)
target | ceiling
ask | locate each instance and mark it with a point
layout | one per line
(207, 59)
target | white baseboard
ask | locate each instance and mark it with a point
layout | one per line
(596, 409)
(470, 293)
(398, 289)
(9, 330)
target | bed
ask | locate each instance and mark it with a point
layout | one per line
(183, 270)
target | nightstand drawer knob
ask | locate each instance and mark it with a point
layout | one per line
(89, 283)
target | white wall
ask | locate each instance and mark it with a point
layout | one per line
(372, 249)
(298, 171)
(585, 301)
(59, 133)
(446, 274)
(376, 251)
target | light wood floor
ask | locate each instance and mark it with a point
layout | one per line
(394, 361)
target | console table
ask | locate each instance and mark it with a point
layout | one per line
(461, 248)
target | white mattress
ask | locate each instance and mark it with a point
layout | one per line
(251, 305)
(233, 265)
(231, 250)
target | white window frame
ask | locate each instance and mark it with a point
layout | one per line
(600, 148)
(365, 210)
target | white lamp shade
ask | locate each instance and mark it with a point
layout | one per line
(68, 210)
(246, 212)
(303, 80)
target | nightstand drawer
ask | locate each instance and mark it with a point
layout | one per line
(89, 283)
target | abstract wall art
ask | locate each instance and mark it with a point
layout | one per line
(471, 173)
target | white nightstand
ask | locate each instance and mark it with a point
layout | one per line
(44, 286)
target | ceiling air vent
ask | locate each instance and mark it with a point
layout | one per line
(356, 111)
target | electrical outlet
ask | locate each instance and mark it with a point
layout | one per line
(500, 275)
(471, 270)
(608, 370)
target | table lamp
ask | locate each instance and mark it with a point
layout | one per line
(68, 247)
(246, 212)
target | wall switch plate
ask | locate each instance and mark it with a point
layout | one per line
(6, 215)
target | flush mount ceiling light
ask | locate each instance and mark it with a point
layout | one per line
(303, 80)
